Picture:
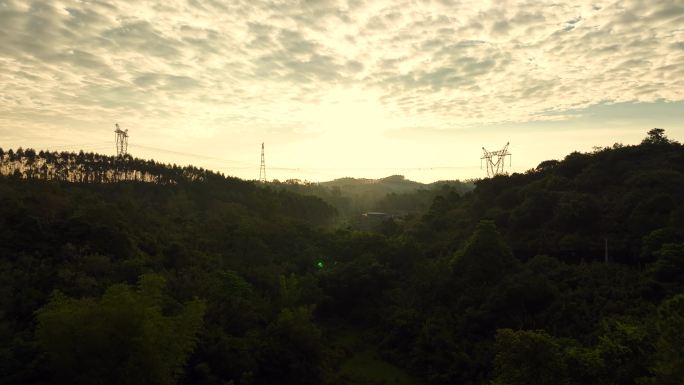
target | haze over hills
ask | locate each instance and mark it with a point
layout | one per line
(394, 195)
(392, 184)
(349, 196)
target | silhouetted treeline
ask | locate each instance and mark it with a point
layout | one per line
(221, 281)
(89, 167)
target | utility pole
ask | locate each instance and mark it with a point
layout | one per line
(495, 168)
(262, 170)
(121, 138)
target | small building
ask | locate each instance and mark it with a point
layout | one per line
(376, 215)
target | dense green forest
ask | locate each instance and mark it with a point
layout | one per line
(122, 271)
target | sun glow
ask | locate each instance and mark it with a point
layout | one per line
(346, 111)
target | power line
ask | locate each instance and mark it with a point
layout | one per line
(122, 145)
(301, 169)
(247, 165)
(190, 154)
(68, 146)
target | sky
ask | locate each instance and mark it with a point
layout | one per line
(340, 88)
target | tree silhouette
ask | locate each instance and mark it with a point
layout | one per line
(656, 136)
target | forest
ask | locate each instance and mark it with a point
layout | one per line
(125, 271)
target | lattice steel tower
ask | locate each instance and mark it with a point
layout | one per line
(121, 141)
(496, 167)
(262, 169)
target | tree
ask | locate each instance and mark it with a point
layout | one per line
(529, 358)
(669, 364)
(120, 338)
(485, 258)
(624, 347)
(293, 352)
(668, 269)
(655, 136)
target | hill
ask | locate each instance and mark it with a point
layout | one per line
(127, 271)
(570, 273)
(575, 209)
(394, 195)
(136, 264)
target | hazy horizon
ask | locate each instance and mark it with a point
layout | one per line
(340, 88)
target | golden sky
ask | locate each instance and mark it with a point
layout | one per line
(340, 88)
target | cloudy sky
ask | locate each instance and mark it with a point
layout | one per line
(340, 88)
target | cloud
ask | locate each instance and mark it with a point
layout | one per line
(141, 37)
(436, 62)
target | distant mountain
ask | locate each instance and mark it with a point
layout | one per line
(396, 183)
(394, 194)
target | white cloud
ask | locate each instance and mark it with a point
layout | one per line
(202, 67)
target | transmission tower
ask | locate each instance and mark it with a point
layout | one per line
(496, 160)
(262, 170)
(121, 141)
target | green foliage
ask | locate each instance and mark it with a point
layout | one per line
(293, 353)
(624, 348)
(667, 272)
(121, 338)
(485, 258)
(529, 358)
(669, 357)
(651, 243)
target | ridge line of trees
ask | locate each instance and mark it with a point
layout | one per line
(89, 167)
